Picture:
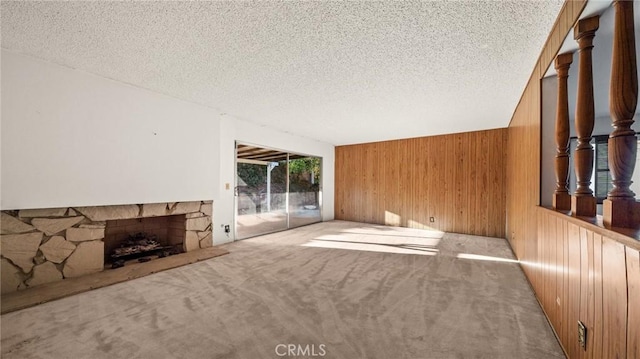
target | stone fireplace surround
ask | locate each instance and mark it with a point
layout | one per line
(46, 245)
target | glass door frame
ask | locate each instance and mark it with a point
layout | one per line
(287, 209)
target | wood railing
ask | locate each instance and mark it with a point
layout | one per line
(620, 209)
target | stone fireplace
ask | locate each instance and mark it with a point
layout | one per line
(46, 245)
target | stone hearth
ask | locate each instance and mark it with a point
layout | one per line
(46, 245)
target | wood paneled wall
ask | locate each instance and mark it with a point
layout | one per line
(523, 149)
(458, 179)
(578, 271)
(585, 275)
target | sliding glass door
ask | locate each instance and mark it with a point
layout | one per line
(275, 190)
(304, 191)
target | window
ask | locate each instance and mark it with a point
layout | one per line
(602, 174)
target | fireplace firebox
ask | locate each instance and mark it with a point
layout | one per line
(136, 238)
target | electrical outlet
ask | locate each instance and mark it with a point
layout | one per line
(582, 335)
(432, 219)
(227, 228)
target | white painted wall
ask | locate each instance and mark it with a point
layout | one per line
(232, 130)
(70, 138)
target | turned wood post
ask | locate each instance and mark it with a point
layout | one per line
(583, 203)
(561, 197)
(620, 207)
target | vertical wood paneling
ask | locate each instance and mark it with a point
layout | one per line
(481, 180)
(566, 305)
(633, 316)
(585, 276)
(553, 269)
(523, 150)
(564, 262)
(460, 189)
(583, 306)
(545, 246)
(559, 323)
(449, 185)
(422, 166)
(573, 303)
(597, 334)
(404, 182)
(614, 299)
(388, 208)
(590, 292)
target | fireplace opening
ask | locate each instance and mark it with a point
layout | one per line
(143, 239)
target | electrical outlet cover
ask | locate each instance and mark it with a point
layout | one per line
(582, 335)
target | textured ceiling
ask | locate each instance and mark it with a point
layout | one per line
(339, 72)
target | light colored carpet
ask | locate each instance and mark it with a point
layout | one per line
(360, 291)
(251, 225)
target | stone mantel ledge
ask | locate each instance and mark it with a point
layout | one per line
(44, 245)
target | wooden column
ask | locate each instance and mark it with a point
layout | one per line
(561, 197)
(583, 203)
(620, 207)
